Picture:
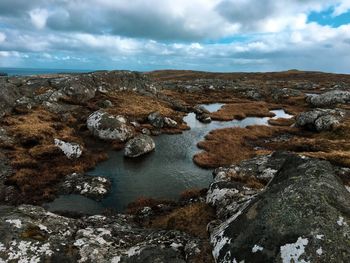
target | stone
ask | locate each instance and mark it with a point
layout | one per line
(32, 234)
(204, 117)
(170, 122)
(139, 145)
(302, 216)
(329, 98)
(71, 150)
(320, 119)
(156, 120)
(94, 187)
(105, 104)
(109, 127)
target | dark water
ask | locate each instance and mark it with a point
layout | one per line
(164, 173)
(34, 71)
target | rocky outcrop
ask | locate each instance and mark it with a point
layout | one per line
(108, 127)
(302, 216)
(329, 98)
(156, 120)
(139, 145)
(202, 114)
(94, 187)
(31, 234)
(71, 150)
(320, 119)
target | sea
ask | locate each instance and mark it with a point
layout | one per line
(38, 71)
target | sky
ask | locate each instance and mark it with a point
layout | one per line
(144, 35)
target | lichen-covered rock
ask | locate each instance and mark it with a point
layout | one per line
(204, 117)
(156, 120)
(71, 150)
(105, 104)
(302, 216)
(94, 187)
(329, 98)
(170, 122)
(139, 145)
(108, 127)
(31, 234)
(320, 119)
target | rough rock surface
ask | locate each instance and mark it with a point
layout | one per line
(94, 187)
(329, 98)
(31, 234)
(109, 127)
(156, 120)
(302, 216)
(71, 150)
(139, 145)
(320, 119)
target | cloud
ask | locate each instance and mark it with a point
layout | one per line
(218, 35)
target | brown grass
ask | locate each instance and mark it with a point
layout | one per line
(192, 219)
(242, 110)
(281, 122)
(231, 145)
(38, 164)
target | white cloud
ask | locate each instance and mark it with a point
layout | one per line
(38, 17)
(2, 37)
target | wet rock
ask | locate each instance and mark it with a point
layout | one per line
(320, 119)
(156, 120)
(200, 109)
(94, 187)
(31, 234)
(329, 98)
(170, 122)
(139, 145)
(108, 127)
(302, 216)
(71, 150)
(204, 117)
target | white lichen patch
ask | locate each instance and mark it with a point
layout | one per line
(341, 221)
(320, 237)
(293, 251)
(257, 248)
(71, 150)
(15, 222)
(216, 195)
(26, 251)
(2, 247)
(319, 251)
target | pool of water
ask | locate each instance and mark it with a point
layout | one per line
(164, 173)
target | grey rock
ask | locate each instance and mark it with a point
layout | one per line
(108, 127)
(302, 216)
(31, 234)
(156, 120)
(139, 145)
(170, 122)
(95, 187)
(71, 150)
(329, 98)
(320, 119)
(204, 117)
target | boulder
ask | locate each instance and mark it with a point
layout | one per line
(32, 234)
(302, 216)
(139, 145)
(105, 104)
(71, 150)
(156, 120)
(320, 119)
(329, 98)
(204, 117)
(94, 187)
(109, 127)
(170, 122)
